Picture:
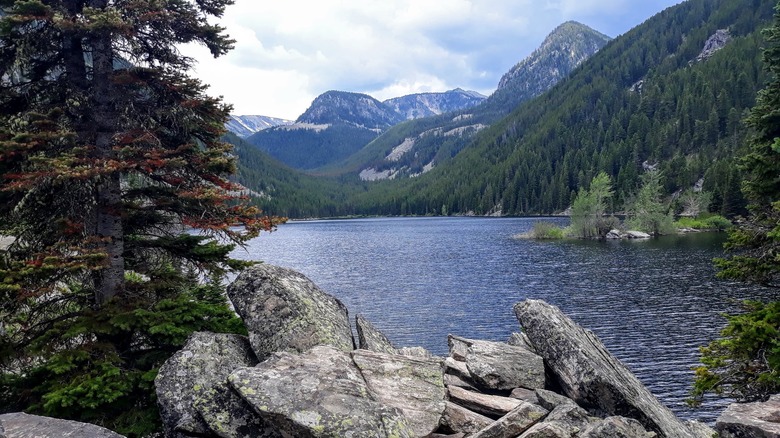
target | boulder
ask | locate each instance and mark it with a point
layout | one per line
(369, 338)
(546, 430)
(700, 430)
(414, 352)
(525, 395)
(616, 427)
(570, 418)
(457, 419)
(21, 425)
(413, 385)
(520, 340)
(284, 311)
(514, 423)
(193, 392)
(589, 374)
(747, 420)
(319, 393)
(499, 366)
(485, 404)
(550, 400)
(637, 235)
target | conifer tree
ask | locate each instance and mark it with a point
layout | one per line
(745, 362)
(114, 191)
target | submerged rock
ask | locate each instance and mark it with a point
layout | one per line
(747, 420)
(320, 393)
(284, 311)
(589, 374)
(21, 425)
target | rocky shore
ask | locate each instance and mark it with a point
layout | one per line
(301, 373)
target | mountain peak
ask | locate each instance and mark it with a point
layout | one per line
(346, 108)
(561, 51)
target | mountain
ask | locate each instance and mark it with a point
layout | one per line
(416, 147)
(645, 100)
(339, 123)
(352, 109)
(244, 126)
(565, 48)
(416, 106)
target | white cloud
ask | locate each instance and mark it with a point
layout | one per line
(289, 52)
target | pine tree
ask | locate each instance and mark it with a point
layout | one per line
(113, 187)
(745, 362)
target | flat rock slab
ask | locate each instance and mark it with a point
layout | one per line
(413, 385)
(457, 419)
(589, 374)
(747, 420)
(497, 365)
(193, 392)
(485, 404)
(284, 311)
(514, 423)
(20, 425)
(320, 393)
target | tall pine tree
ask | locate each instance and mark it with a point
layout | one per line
(745, 362)
(113, 191)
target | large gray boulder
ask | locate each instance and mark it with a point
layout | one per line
(284, 311)
(457, 419)
(413, 385)
(616, 427)
(497, 365)
(486, 404)
(589, 374)
(514, 423)
(193, 393)
(751, 420)
(320, 393)
(20, 425)
(370, 338)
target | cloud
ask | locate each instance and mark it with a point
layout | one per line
(289, 52)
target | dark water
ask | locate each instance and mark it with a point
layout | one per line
(651, 302)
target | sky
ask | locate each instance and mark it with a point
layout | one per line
(289, 52)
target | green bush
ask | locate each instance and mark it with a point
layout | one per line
(546, 230)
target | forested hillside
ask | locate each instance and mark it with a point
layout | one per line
(647, 99)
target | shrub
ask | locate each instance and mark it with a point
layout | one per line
(546, 230)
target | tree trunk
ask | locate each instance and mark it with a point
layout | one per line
(110, 280)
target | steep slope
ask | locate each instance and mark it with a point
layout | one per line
(416, 106)
(244, 126)
(643, 100)
(280, 190)
(413, 148)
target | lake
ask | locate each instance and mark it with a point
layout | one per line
(651, 302)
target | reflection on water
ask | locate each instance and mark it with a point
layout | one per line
(651, 302)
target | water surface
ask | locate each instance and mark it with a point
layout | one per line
(651, 302)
